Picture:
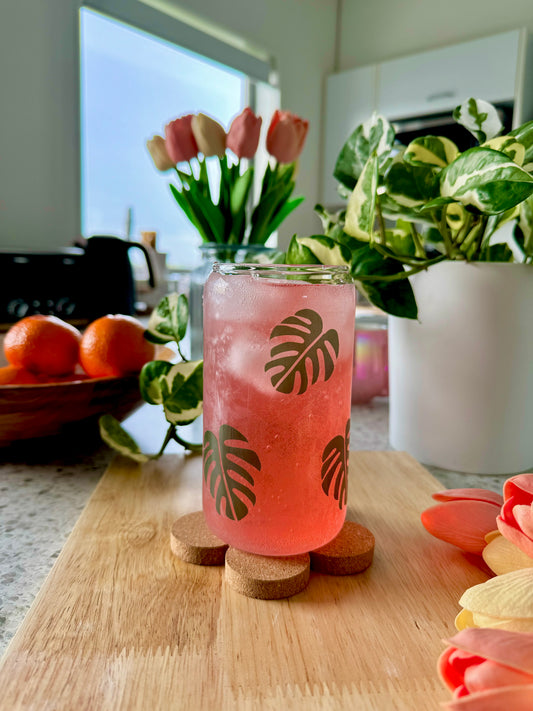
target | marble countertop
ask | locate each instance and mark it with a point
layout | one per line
(44, 487)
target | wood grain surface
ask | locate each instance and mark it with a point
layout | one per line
(121, 623)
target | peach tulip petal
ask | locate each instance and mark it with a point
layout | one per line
(209, 135)
(462, 523)
(509, 624)
(514, 649)
(464, 620)
(475, 494)
(502, 556)
(513, 698)
(509, 595)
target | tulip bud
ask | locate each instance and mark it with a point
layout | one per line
(157, 149)
(243, 135)
(179, 139)
(209, 135)
(286, 136)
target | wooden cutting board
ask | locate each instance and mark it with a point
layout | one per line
(120, 623)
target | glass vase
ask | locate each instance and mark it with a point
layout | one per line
(222, 253)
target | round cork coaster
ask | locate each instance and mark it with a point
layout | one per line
(264, 577)
(192, 541)
(351, 551)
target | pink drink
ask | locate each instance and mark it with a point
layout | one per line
(276, 415)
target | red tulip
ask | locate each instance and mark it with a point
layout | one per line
(286, 136)
(464, 518)
(179, 139)
(489, 669)
(243, 134)
(515, 521)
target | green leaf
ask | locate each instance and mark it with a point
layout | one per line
(325, 250)
(400, 240)
(264, 211)
(524, 135)
(311, 349)
(480, 118)
(299, 254)
(240, 191)
(283, 211)
(360, 212)
(114, 435)
(228, 471)
(431, 152)
(394, 297)
(499, 252)
(487, 180)
(508, 145)
(178, 387)
(373, 137)
(168, 321)
(411, 185)
(193, 212)
(525, 224)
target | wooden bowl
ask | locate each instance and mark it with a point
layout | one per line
(41, 410)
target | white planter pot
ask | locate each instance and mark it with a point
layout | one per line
(461, 377)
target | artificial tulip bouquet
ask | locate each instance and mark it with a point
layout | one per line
(410, 207)
(223, 216)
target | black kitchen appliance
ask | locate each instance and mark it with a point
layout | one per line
(78, 284)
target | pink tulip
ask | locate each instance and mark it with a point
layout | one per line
(243, 134)
(489, 668)
(515, 521)
(286, 136)
(179, 139)
(464, 517)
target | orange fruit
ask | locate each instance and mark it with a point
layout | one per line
(9, 375)
(43, 344)
(114, 345)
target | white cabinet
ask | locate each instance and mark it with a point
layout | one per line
(498, 69)
(440, 80)
(350, 98)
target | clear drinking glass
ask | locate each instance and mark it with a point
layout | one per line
(278, 356)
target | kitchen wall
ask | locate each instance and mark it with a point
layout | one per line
(386, 29)
(39, 165)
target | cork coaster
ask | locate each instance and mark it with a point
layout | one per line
(192, 541)
(351, 551)
(266, 578)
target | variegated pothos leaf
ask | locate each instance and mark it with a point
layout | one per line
(168, 321)
(431, 151)
(360, 212)
(524, 135)
(509, 146)
(487, 180)
(480, 118)
(114, 435)
(178, 387)
(373, 137)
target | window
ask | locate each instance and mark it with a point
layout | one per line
(133, 83)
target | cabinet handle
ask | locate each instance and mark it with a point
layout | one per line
(441, 95)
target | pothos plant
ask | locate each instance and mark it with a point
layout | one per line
(177, 387)
(410, 207)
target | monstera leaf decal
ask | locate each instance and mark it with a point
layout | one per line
(227, 471)
(304, 342)
(335, 467)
